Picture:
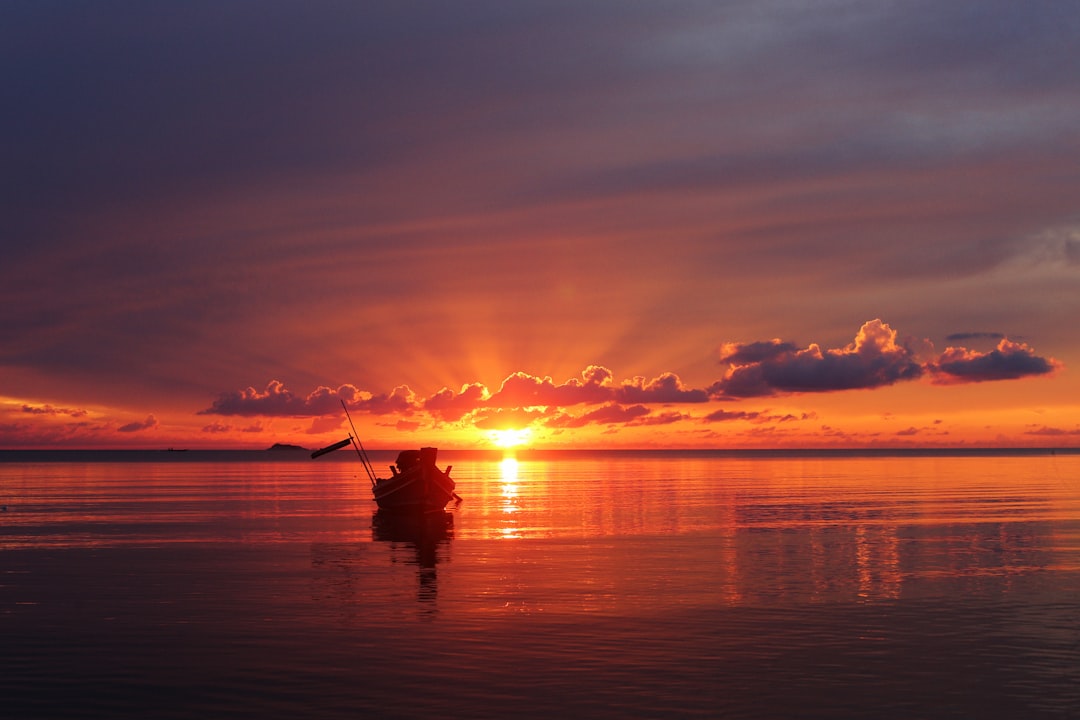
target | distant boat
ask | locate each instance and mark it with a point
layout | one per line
(416, 484)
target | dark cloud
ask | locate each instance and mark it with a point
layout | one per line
(54, 411)
(278, 401)
(519, 392)
(666, 418)
(666, 388)
(755, 352)
(1008, 361)
(963, 336)
(606, 415)
(1052, 431)
(755, 417)
(874, 359)
(147, 424)
(725, 415)
(400, 401)
(596, 386)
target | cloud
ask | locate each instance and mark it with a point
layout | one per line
(754, 416)
(873, 359)
(147, 424)
(448, 405)
(666, 418)
(755, 352)
(607, 415)
(53, 411)
(667, 388)
(401, 400)
(1009, 361)
(278, 401)
(275, 401)
(522, 390)
(961, 336)
(725, 415)
(1047, 431)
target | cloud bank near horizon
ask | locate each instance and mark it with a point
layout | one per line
(876, 358)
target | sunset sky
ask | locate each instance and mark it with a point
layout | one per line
(614, 224)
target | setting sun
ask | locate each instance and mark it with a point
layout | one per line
(510, 437)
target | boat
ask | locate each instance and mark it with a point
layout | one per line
(416, 484)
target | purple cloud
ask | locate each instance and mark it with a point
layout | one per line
(607, 415)
(961, 336)
(148, 423)
(725, 415)
(873, 359)
(53, 411)
(1008, 361)
(278, 401)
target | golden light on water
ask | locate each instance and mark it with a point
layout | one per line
(508, 485)
(508, 477)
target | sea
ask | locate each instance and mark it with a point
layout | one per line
(659, 584)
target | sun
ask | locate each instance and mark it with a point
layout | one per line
(509, 438)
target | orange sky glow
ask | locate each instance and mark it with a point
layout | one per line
(677, 226)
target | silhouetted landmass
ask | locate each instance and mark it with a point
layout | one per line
(286, 446)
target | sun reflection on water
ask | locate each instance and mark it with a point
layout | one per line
(508, 486)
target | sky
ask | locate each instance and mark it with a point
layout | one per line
(585, 224)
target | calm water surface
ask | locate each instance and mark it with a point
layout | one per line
(620, 585)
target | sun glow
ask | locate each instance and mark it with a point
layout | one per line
(510, 438)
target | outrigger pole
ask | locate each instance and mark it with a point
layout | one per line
(360, 451)
(354, 440)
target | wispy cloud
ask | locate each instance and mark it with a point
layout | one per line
(50, 410)
(962, 336)
(148, 424)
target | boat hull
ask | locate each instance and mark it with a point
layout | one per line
(423, 487)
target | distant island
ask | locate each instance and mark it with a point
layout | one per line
(286, 446)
